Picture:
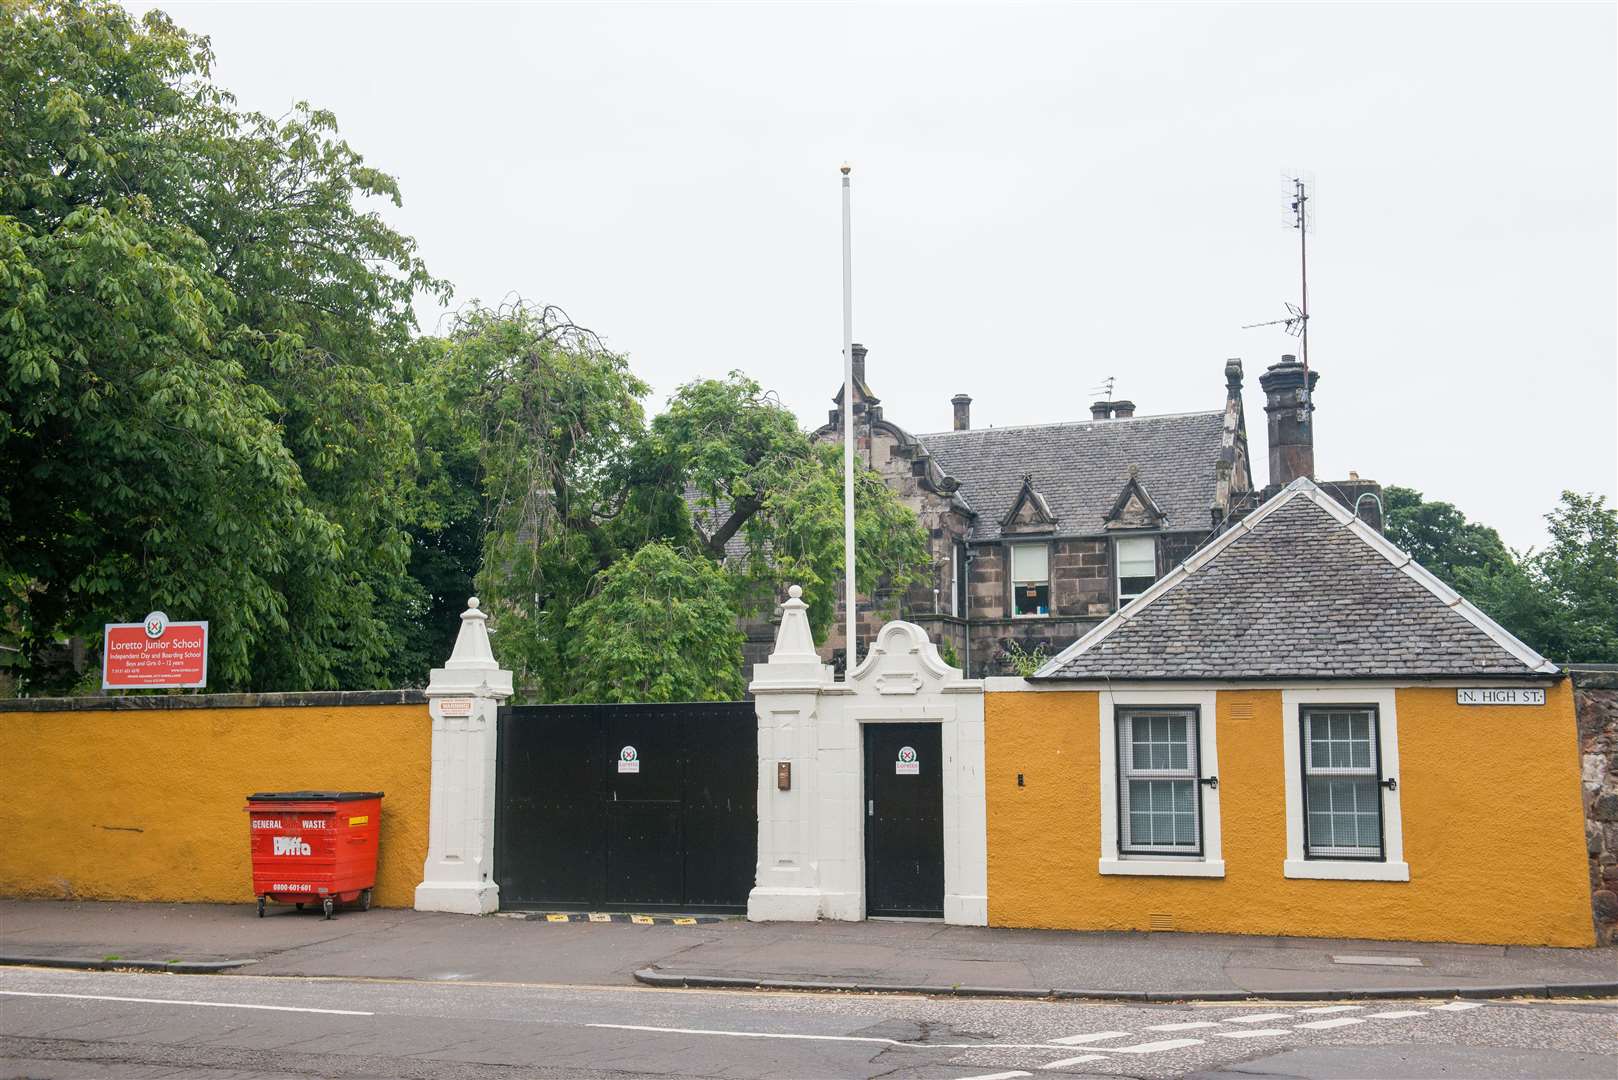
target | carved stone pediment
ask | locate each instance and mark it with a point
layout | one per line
(1030, 513)
(1134, 508)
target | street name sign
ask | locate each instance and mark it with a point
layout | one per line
(1499, 695)
(154, 654)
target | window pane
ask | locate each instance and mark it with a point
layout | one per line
(1344, 791)
(1345, 817)
(1030, 562)
(1137, 557)
(1031, 599)
(1159, 810)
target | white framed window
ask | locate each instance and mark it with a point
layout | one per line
(1342, 788)
(1137, 566)
(1159, 796)
(1159, 784)
(1030, 580)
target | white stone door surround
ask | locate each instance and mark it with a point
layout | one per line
(811, 838)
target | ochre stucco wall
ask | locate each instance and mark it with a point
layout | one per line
(147, 805)
(1493, 827)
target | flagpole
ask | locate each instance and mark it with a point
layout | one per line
(850, 602)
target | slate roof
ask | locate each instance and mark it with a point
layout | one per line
(1300, 590)
(1081, 467)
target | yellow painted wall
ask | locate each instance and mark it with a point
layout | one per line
(147, 805)
(1493, 827)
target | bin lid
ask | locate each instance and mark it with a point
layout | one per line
(313, 796)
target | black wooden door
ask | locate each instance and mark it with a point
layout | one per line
(640, 807)
(904, 820)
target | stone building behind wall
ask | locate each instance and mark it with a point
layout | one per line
(1038, 532)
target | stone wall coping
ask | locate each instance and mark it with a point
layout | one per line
(1594, 676)
(307, 698)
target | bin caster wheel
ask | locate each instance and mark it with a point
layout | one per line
(326, 906)
(300, 907)
(365, 900)
(261, 907)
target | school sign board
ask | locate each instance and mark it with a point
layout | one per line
(154, 654)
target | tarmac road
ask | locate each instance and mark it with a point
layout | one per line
(57, 1024)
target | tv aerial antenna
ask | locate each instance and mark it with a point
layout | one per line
(1105, 384)
(1300, 215)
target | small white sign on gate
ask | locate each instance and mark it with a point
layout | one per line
(628, 760)
(907, 765)
(455, 706)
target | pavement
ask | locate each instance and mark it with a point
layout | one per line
(897, 956)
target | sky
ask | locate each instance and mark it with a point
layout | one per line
(1044, 197)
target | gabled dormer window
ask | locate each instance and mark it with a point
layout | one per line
(1137, 566)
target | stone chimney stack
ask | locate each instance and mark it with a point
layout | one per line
(859, 362)
(963, 412)
(1100, 410)
(1292, 428)
(1123, 410)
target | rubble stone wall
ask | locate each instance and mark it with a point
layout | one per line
(1595, 698)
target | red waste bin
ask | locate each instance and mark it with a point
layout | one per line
(311, 846)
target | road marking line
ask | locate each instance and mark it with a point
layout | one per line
(1267, 1033)
(1151, 1047)
(995, 1076)
(1094, 1036)
(172, 1001)
(1259, 1019)
(1397, 1014)
(1192, 1025)
(1341, 1021)
(828, 1038)
(1080, 1060)
(1457, 1006)
(1333, 1008)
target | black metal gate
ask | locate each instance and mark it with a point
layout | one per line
(650, 807)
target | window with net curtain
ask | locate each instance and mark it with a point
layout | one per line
(1137, 566)
(1342, 789)
(1159, 798)
(1030, 579)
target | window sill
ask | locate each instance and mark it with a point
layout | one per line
(1344, 870)
(1163, 867)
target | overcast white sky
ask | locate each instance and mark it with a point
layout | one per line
(1044, 196)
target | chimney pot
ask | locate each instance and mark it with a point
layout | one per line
(963, 411)
(1123, 410)
(1100, 410)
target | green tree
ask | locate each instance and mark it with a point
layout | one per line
(204, 324)
(735, 454)
(660, 625)
(573, 483)
(1562, 601)
(1440, 537)
(525, 423)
